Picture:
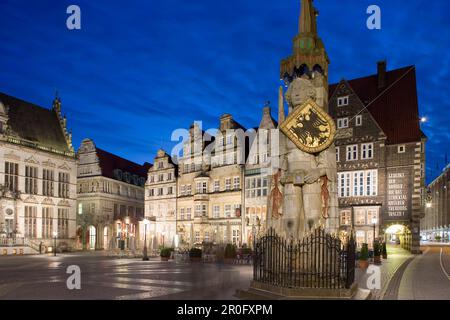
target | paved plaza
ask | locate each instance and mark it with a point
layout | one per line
(403, 276)
(44, 277)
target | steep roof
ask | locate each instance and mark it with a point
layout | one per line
(395, 107)
(34, 123)
(109, 162)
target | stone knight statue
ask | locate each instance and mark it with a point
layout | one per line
(303, 193)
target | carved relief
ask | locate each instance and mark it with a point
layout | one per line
(48, 201)
(49, 163)
(32, 160)
(31, 199)
(64, 166)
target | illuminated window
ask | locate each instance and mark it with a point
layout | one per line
(30, 222)
(352, 152)
(346, 218)
(216, 186)
(188, 214)
(228, 211)
(216, 211)
(228, 184)
(182, 214)
(360, 216)
(235, 238)
(360, 237)
(366, 151)
(236, 183)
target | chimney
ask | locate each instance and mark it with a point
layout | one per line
(382, 74)
(225, 122)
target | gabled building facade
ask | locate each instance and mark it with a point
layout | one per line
(161, 201)
(210, 183)
(380, 152)
(37, 175)
(257, 179)
(110, 203)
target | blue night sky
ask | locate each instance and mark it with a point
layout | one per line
(137, 70)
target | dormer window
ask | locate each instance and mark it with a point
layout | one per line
(118, 174)
(342, 101)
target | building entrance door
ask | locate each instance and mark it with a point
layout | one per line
(399, 234)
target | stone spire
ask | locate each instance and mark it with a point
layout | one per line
(281, 115)
(308, 51)
(62, 121)
(57, 104)
(307, 17)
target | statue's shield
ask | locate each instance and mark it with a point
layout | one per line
(309, 127)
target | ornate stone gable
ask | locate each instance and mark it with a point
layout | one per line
(48, 201)
(64, 166)
(63, 203)
(31, 160)
(49, 163)
(31, 199)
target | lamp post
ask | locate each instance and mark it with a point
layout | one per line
(145, 257)
(374, 221)
(55, 234)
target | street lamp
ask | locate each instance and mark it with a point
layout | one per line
(145, 257)
(55, 234)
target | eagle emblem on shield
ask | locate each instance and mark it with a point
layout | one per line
(309, 127)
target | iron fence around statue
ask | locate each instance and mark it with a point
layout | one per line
(317, 261)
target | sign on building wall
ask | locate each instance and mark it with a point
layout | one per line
(399, 194)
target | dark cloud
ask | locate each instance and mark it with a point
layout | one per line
(140, 69)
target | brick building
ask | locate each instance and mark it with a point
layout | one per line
(380, 152)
